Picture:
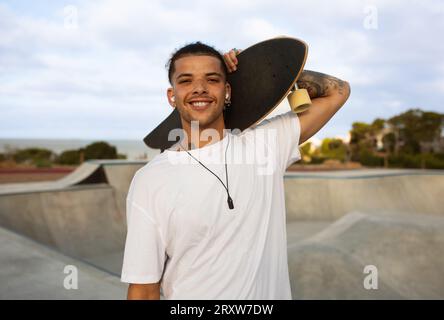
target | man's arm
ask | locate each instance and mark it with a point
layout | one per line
(328, 95)
(149, 291)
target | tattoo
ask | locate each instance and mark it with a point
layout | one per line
(319, 84)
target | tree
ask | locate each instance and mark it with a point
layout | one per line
(414, 128)
(306, 151)
(389, 141)
(100, 150)
(306, 148)
(334, 149)
(362, 137)
(69, 157)
(35, 156)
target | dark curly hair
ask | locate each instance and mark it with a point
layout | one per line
(194, 49)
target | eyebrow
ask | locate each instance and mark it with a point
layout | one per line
(207, 74)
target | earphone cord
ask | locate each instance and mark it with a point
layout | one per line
(229, 200)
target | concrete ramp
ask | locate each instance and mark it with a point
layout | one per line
(329, 195)
(88, 172)
(400, 230)
(81, 215)
(30, 270)
(407, 251)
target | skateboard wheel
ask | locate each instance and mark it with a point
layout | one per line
(299, 100)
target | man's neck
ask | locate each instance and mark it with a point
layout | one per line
(198, 137)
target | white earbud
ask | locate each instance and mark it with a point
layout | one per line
(226, 97)
(173, 99)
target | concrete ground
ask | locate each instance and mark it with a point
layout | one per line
(30, 270)
(337, 224)
(403, 252)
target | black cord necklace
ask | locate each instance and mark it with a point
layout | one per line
(229, 200)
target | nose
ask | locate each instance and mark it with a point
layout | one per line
(200, 87)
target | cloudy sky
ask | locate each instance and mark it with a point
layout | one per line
(96, 69)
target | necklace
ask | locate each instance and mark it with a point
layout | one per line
(229, 200)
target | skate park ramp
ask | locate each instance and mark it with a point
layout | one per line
(88, 173)
(329, 195)
(82, 216)
(25, 262)
(405, 251)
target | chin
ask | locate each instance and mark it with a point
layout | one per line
(205, 120)
(202, 122)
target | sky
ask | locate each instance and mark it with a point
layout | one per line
(96, 69)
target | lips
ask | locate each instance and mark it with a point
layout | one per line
(200, 105)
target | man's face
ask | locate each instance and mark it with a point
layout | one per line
(199, 89)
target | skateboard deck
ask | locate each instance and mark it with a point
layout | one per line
(267, 73)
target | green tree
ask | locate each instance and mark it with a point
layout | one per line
(362, 138)
(377, 125)
(69, 157)
(100, 150)
(389, 141)
(35, 156)
(306, 149)
(414, 128)
(334, 149)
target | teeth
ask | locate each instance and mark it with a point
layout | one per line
(200, 104)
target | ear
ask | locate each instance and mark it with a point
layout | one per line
(171, 98)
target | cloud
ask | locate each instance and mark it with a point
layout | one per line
(107, 76)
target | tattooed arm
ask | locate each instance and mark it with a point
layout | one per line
(328, 95)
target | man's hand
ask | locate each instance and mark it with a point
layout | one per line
(231, 60)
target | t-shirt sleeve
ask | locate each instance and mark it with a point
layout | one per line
(145, 250)
(286, 129)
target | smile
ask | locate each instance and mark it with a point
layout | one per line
(200, 105)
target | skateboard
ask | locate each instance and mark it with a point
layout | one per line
(267, 73)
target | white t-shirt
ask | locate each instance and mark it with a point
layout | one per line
(181, 230)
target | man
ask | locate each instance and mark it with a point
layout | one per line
(200, 227)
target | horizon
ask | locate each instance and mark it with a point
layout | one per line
(96, 70)
(315, 140)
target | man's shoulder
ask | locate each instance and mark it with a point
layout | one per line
(277, 120)
(154, 167)
(272, 123)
